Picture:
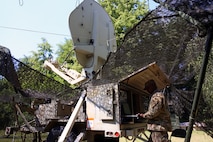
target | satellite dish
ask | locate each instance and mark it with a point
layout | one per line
(93, 35)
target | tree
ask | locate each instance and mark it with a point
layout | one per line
(206, 101)
(35, 62)
(66, 56)
(6, 109)
(124, 14)
(37, 59)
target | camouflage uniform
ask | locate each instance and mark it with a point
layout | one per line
(158, 116)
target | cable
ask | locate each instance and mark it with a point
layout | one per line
(26, 30)
(21, 2)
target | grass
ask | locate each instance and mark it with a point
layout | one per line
(17, 137)
(197, 136)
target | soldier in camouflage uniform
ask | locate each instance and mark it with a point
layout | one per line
(159, 122)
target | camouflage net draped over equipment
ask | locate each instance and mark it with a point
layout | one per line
(168, 39)
(162, 37)
(31, 83)
(200, 10)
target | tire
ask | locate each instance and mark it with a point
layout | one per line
(101, 138)
(72, 137)
(111, 140)
(56, 132)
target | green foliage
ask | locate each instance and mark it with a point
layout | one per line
(207, 91)
(5, 88)
(206, 101)
(6, 115)
(124, 14)
(66, 56)
(36, 60)
(6, 109)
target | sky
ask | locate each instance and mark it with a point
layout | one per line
(24, 23)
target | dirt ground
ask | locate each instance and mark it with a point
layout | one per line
(197, 136)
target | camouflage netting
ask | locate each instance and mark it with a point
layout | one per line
(200, 10)
(164, 37)
(167, 37)
(31, 83)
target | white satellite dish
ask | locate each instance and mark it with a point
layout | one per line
(93, 35)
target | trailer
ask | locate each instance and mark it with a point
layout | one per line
(111, 108)
(107, 110)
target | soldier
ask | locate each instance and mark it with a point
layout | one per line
(159, 122)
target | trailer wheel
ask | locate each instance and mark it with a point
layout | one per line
(111, 140)
(72, 137)
(56, 132)
(101, 138)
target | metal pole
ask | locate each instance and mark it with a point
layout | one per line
(193, 114)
